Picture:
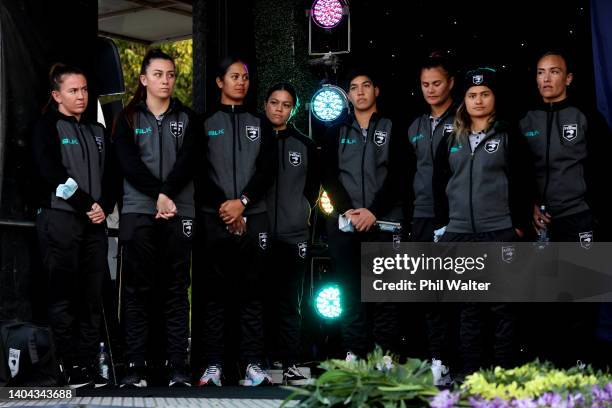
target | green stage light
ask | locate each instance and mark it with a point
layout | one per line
(327, 302)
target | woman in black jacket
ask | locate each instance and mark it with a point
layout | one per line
(482, 192)
(72, 156)
(154, 138)
(239, 159)
(289, 203)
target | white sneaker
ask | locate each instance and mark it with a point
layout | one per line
(441, 375)
(293, 376)
(350, 357)
(212, 375)
(255, 376)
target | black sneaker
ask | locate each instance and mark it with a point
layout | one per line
(135, 377)
(293, 376)
(178, 377)
(80, 377)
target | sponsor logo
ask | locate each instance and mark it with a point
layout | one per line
(415, 138)
(143, 131)
(348, 141)
(216, 132)
(456, 148)
(532, 133)
(69, 141)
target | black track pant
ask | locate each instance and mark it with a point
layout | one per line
(74, 252)
(473, 316)
(287, 264)
(439, 316)
(573, 322)
(345, 252)
(233, 271)
(156, 258)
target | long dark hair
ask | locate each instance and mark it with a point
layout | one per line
(437, 60)
(285, 86)
(56, 77)
(141, 91)
(227, 62)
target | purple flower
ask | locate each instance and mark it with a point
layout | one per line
(602, 397)
(445, 399)
(550, 399)
(524, 403)
(494, 403)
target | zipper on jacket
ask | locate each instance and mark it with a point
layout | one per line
(431, 138)
(161, 148)
(276, 192)
(472, 193)
(365, 146)
(88, 158)
(549, 118)
(234, 151)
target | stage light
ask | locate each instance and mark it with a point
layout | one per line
(328, 103)
(327, 13)
(328, 302)
(325, 203)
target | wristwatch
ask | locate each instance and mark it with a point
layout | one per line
(244, 200)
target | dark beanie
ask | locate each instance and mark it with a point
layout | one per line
(481, 77)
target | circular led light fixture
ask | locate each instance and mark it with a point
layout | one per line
(328, 103)
(327, 302)
(327, 13)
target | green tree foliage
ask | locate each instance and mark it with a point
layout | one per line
(281, 46)
(131, 55)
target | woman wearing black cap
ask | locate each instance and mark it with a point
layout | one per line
(481, 185)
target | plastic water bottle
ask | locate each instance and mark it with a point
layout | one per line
(543, 233)
(103, 362)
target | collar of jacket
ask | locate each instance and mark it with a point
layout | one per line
(285, 133)
(232, 108)
(174, 105)
(555, 106)
(351, 120)
(451, 109)
(54, 112)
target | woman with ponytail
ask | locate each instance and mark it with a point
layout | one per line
(153, 138)
(72, 157)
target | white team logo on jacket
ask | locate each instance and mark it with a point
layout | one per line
(570, 132)
(380, 138)
(586, 239)
(176, 128)
(252, 133)
(477, 79)
(295, 158)
(491, 146)
(187, 228)
(263, 240)
(448, 129)
(302, 248)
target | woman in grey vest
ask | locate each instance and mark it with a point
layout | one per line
(426, 133)
(154, 138)
(483, 184)
(238, 160)
(72, 156)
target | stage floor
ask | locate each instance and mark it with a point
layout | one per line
(209, 397)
